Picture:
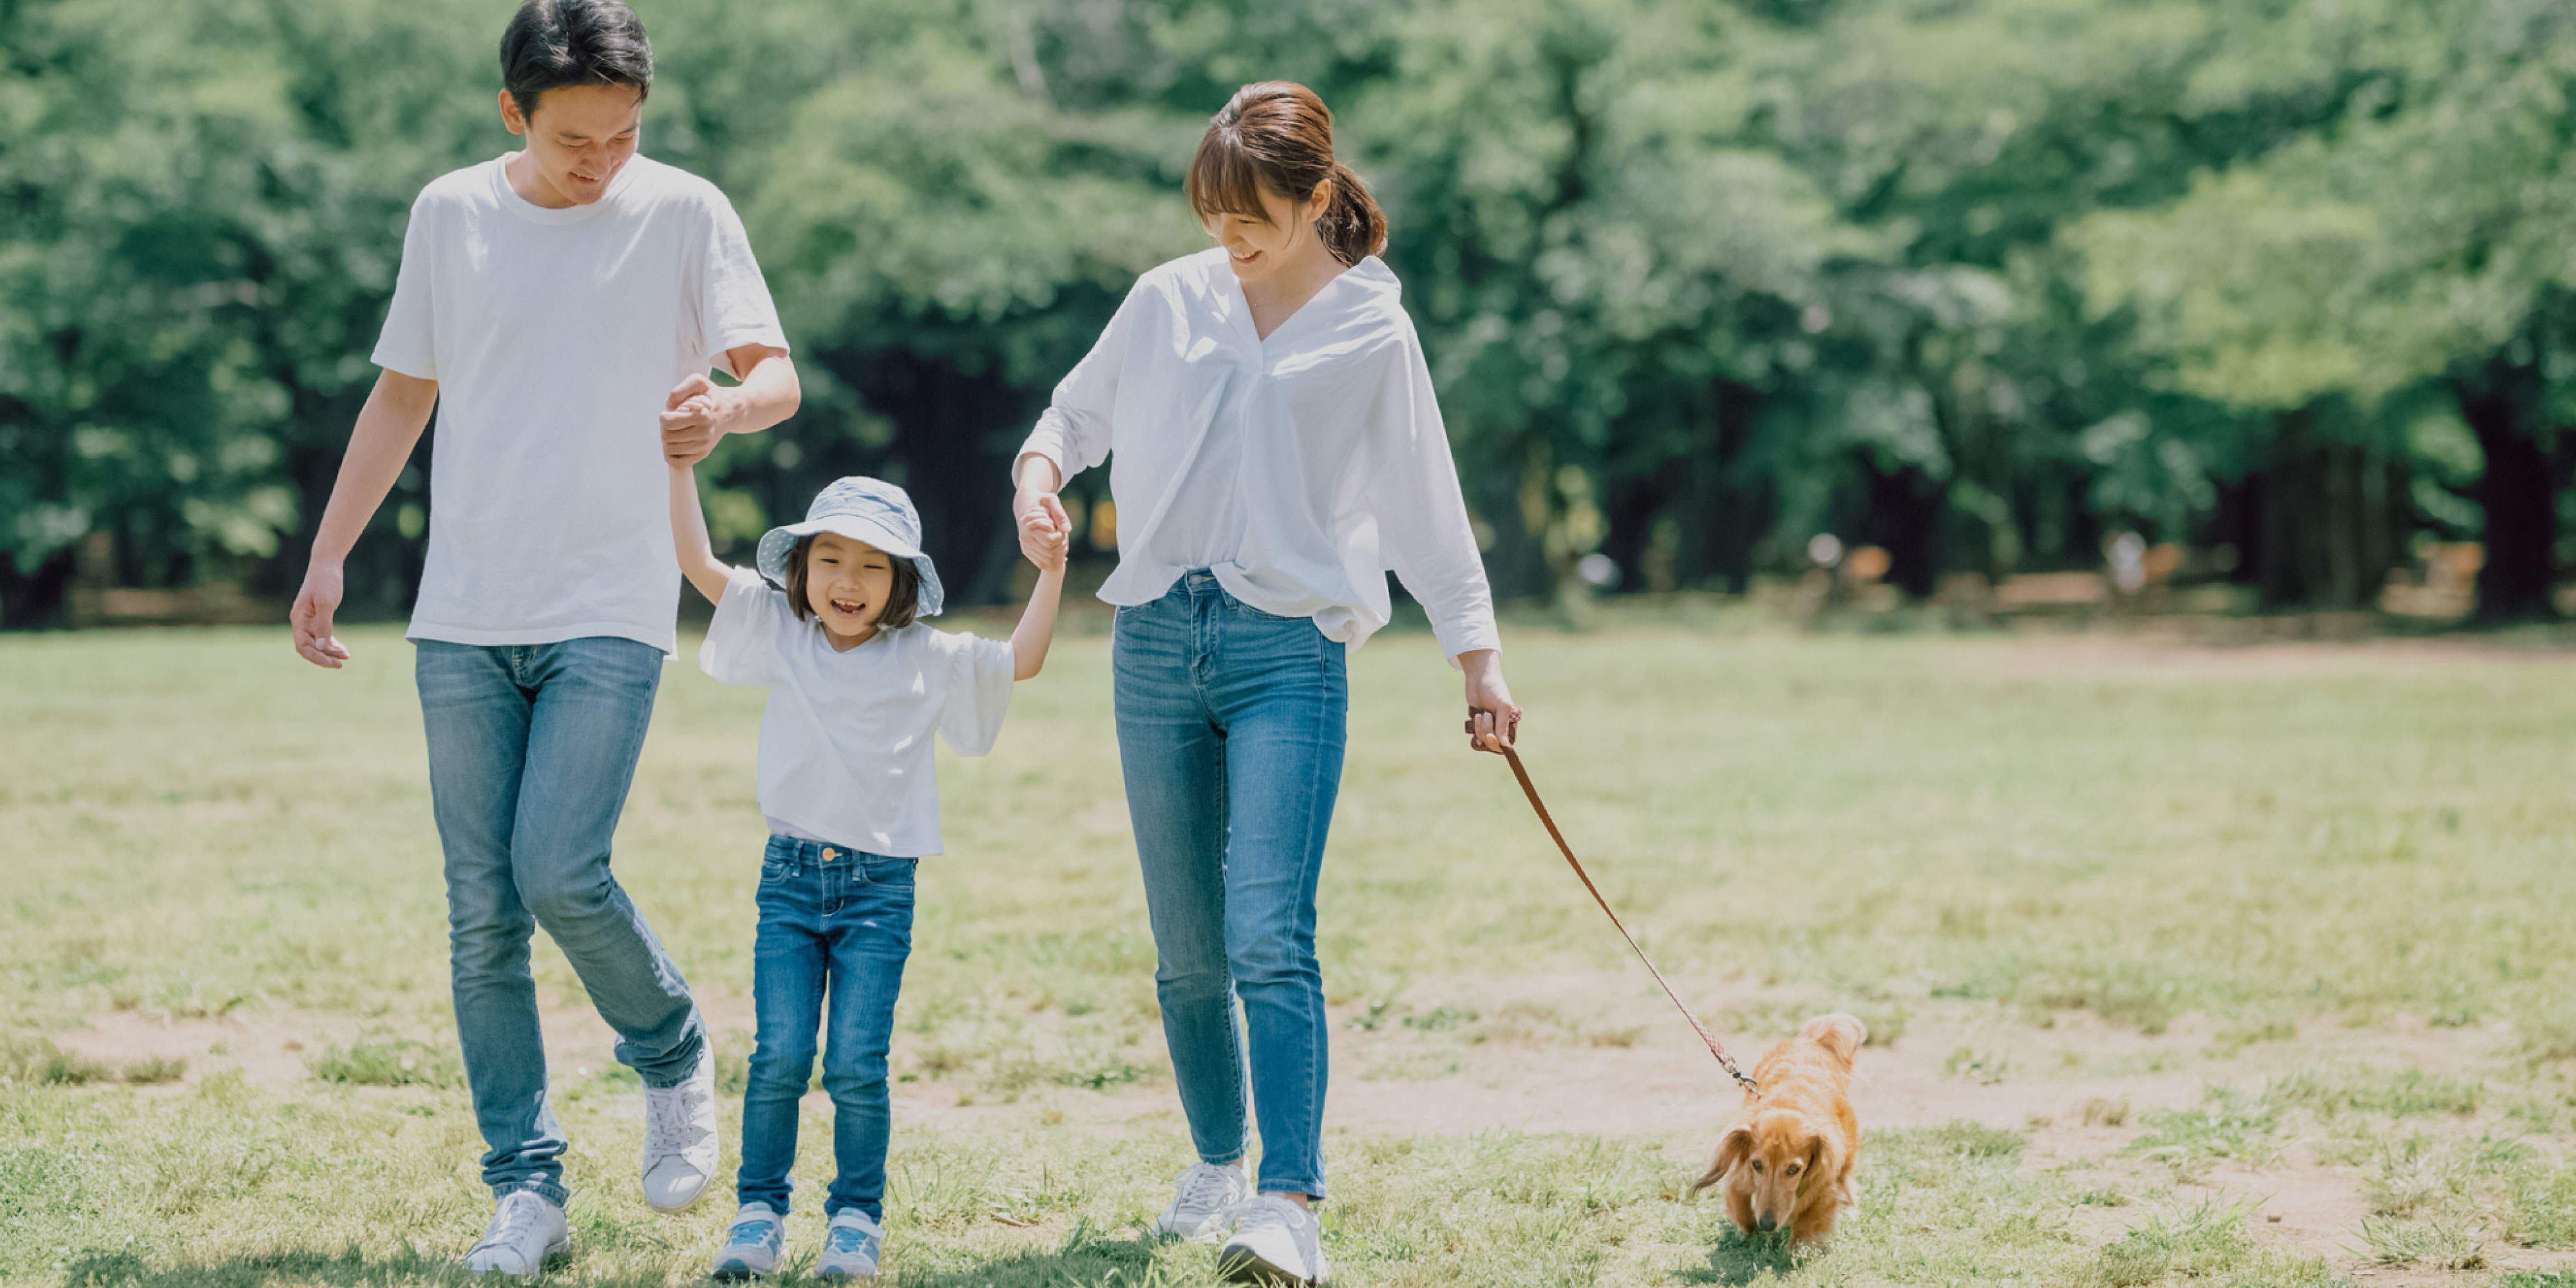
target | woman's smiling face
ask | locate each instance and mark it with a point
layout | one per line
(847, 584)
(1284, 233)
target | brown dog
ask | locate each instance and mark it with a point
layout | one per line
(1788, 1159)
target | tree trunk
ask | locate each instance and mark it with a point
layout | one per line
(1723, 514)
(1906, 508)
(2521, 532)
(34, 598)
(954, 433)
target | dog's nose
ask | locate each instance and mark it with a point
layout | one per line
(1768, 1224)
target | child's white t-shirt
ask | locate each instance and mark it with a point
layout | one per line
(556, 337)
(845, 752)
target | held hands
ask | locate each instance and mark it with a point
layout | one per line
(1046, 538)
(694, 417)
(314, 605)
(1046, 531)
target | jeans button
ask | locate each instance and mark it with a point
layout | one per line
(828, 853)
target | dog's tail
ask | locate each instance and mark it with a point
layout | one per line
(1838, 1033)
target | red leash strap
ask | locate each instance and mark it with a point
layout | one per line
(1724, 1061)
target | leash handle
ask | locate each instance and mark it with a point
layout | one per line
(1530, 790)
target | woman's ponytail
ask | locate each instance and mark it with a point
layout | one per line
(1279, 136)
(1353, 227)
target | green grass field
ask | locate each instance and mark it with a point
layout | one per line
(2327, 893)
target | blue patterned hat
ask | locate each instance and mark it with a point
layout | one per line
(862, 509)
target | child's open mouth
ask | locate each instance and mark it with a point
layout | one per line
(847, 607)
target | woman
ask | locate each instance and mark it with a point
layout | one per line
(1278, 451)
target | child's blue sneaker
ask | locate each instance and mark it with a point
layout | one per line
(850, 1247)
(754, 1244)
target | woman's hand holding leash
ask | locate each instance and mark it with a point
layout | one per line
(1493, 720)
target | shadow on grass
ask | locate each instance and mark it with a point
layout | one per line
(351, 1268)
(1086, 1259)
(1740, 1258)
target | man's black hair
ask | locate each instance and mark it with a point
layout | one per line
(551, 44)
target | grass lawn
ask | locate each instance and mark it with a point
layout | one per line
(2249, 967)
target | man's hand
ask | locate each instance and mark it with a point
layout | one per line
(695, 415)
(314, 605)
(1493, 719)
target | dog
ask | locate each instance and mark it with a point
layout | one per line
(1787, 1162)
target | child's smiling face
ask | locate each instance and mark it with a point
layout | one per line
(847, 584)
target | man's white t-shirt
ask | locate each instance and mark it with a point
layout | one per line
(845, 752)
(555, 337)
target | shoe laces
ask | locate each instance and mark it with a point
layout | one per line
(1263, 1210)
(751, 1229)
(516, 1214)
(1207, 1185)
(668, 1114)
(849, 1238)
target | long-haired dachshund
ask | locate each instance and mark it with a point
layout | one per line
(1788, 1159)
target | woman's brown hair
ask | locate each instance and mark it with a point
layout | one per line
(1278, 135)
(902, 603)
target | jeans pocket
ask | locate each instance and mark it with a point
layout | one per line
(1242, 609)
(896, 873)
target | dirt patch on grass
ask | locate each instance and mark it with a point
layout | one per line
(1598, 1056)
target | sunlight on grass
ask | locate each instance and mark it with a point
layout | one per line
(204, 828)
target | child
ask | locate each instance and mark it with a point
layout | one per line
(856, 687)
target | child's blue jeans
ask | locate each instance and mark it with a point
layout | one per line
(835, 928)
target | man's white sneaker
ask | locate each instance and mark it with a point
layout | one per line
(1207, 1192)
(526, 1229)
(850, 1247)
(680, 1138)
(753, 1245)
(1274, 1242)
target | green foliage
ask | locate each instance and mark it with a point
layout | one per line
(1978, 282)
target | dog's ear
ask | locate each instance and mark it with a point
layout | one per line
(1825, 1155)
(1731, 1150)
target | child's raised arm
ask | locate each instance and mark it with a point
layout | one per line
(1037, 625)
(698, 560)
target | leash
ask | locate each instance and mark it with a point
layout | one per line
(1531, 790)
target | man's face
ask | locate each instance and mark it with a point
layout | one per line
(578, 139)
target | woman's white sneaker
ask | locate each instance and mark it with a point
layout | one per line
(850, 1247)
(680, 1138)
(753, 1244)
(1207, 1192)
(526, 1229)
(1274, 1242)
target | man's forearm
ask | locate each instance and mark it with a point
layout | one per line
(769, 393)
(380, 445)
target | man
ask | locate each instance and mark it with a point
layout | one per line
(552, 304)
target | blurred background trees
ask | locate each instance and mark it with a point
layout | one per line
(1992, 286)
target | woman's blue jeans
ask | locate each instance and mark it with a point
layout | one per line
(835, 930)
(1230, 725)
(531, 750)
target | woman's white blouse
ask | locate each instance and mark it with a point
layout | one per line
(1300, 469)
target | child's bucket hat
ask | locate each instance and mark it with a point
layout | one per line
(862, 509)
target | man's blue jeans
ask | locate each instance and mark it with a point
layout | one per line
(835, 922)
(1230, 725)
(531, 750)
